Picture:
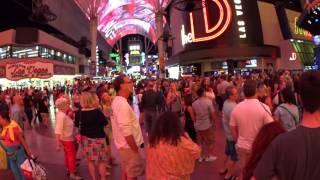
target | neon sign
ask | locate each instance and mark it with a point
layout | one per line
(213, 32)
(134, 52)
(29, 69)
(300, 31)
(186, 39)
(219, 28)
(240, 22)
(293, 56)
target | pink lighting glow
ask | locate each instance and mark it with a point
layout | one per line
(118, 18)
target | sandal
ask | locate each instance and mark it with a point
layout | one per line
(224, 171)
(231, 178)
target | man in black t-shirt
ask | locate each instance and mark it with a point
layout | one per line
(28, 106)
(149, 104)
(296, 155)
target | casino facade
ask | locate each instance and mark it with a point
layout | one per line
(236, 36)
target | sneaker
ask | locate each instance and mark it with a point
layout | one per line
(75, 177)
(200, 159)
(210, 158)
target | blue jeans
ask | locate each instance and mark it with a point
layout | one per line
(14, 164)
(150, 118)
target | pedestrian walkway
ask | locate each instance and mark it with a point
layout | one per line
(43, 144)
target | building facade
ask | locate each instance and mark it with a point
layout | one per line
(45, 53)
(236, 36)
(38, 59)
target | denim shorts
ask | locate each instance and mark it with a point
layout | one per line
(230, 150)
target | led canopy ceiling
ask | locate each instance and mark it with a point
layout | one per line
(118, 18)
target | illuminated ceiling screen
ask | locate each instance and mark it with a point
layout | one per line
(122, 17)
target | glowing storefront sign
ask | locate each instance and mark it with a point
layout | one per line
(135, 52)
(134, 47)
(293, 56)
(300, 31)
(174, 72)
(186, 39)
(240, 21)
(220, 27)
(29, 69)
(213, 32)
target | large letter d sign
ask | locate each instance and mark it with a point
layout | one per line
(220, 27)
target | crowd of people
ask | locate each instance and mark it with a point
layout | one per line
(271, 125)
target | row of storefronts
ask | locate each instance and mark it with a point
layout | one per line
(50, 53)
(239, 36)
(44, 62)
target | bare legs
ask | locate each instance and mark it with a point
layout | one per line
(228, 167)
(101, 168)
(125, 177)
(45, 119)
(92, 170)
(207, 150)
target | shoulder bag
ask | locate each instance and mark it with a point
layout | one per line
(3, 157)
(293, 117)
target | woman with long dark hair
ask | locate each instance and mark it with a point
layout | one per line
(174, 100)
(189, 123)
(171, 154)
(288, 113)
(264, 138)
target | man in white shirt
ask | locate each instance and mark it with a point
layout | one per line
(246, 120)
(126, 130)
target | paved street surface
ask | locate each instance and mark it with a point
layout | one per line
(43, 145)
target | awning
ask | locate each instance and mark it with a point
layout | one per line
(224, 53)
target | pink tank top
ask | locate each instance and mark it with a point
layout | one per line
(8, 142)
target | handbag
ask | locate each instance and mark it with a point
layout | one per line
(3, 158)
(9, 155)
(32, 170)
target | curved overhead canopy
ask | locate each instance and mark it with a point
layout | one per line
(118, 18)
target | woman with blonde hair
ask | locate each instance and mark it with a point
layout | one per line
(264, 95)
(91, 122)
(174, 100)
(64, 131)
(105, 105)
